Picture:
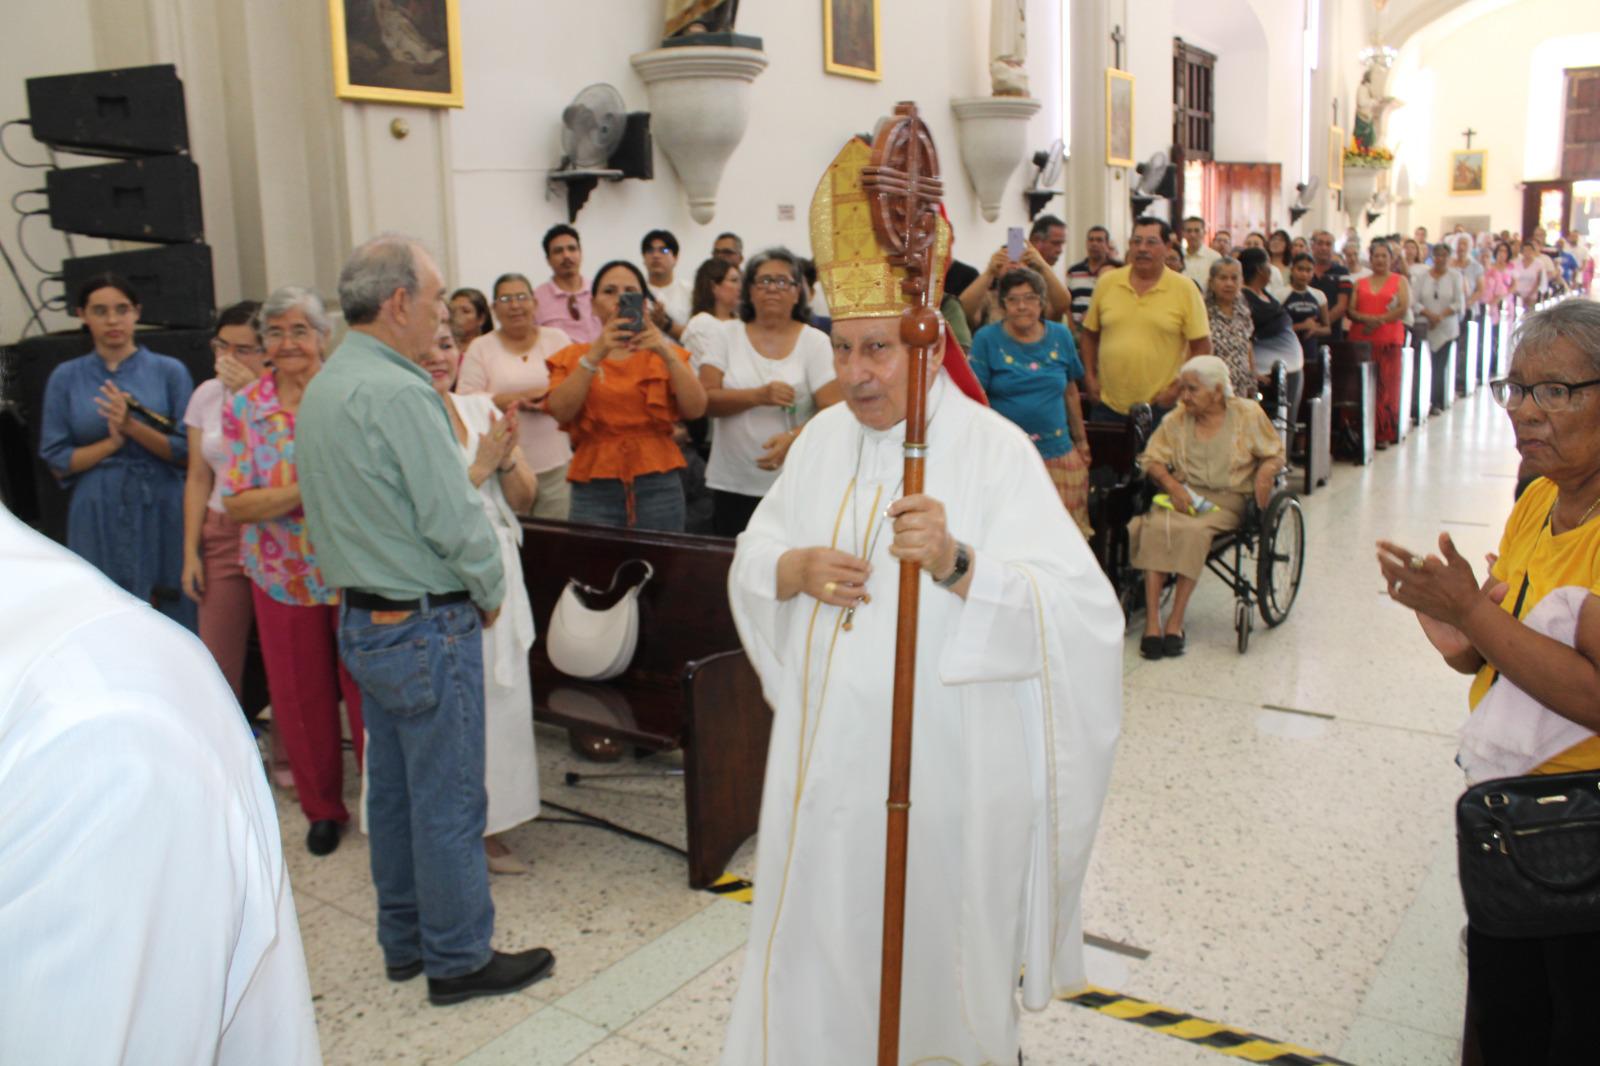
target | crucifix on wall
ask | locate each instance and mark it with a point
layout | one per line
(1116, 43)
(1469, 133)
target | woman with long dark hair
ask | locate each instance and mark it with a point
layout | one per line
(111, 434)
(620, 399)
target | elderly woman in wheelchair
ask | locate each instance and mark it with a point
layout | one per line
(1207, 459)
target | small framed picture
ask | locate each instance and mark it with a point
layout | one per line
(1466, 170)
(1119, 118)
(397, 51)
(1335, 157)
(852, 43)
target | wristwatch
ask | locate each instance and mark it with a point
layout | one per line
(963, 564)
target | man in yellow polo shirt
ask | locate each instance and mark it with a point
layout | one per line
(1143, 322)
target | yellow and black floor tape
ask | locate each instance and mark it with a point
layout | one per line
(1237, 1043)
(730, 887)
(1222, 1038)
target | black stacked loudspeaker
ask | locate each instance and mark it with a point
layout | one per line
(152, 195)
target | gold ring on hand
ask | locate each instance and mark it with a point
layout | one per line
(829, 588)
(1415, 562)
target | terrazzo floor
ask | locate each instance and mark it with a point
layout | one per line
(1290, 874)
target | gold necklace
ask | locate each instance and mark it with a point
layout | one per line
(1586, 514)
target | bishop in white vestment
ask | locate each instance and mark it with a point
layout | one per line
(1018, 705)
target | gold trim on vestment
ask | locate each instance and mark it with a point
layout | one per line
(803, 753)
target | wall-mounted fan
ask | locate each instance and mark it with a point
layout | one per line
(1157, 180)
(1046, 172)
(1380, 202)
(600, 140)
(1305, 191)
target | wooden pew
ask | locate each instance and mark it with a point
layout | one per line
(1316, 416)
(1115, 488)
(689, 686)
(1355, 399)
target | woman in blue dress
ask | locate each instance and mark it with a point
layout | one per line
(123, 467)
(1030, 369)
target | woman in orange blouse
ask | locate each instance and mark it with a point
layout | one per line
(620, 400)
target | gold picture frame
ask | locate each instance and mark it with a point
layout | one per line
(401, 59)
(852, 39)
(1468, 169)
(1119, 118)
(1335, 158)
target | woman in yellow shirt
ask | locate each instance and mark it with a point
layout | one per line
(1525, 1000)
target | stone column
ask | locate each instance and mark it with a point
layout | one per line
(1089, 184)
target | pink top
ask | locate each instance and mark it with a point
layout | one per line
(1497, 283)
(276, 553)
(205, 414)
(570, 312)
(1530, 277)
(490, 367)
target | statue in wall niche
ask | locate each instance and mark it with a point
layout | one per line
(689, 18)
(1008, 47)
(1372, 107)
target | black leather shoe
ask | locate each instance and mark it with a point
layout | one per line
(1172, 645)
(323, 837)
(1150, 647)
(404, 973)
(504, 973)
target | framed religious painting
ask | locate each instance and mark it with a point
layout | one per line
(1119, 118)
(1335, 157)
(1467, 170)
(852, 42)
(397, 51)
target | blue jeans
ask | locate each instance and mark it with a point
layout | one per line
(421, 684)
(657, 502)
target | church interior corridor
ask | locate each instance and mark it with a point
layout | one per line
(1277, 853)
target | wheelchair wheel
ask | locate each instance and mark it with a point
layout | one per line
(1280, 557)
(1243, 620)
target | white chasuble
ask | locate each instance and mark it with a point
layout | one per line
(1018, 707)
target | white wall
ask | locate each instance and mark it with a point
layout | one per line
(291, 177)
(507, 138)
(1495, 67)
(39, 39)
(1259, 48)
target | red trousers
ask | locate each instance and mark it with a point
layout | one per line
(1387, 359)
(300, 648)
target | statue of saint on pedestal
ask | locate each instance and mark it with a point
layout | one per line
(1372, 107)
(690, 17)
(1008, 47)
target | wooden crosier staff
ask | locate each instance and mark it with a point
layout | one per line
(904, 191)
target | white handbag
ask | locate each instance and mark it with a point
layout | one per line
(595, 645)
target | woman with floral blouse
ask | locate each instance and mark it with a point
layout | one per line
(296, 611)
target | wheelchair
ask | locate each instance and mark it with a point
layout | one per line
(1262, 561)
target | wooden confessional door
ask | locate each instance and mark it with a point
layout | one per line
(1241, 197)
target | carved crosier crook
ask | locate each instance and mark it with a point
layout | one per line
(904, 190)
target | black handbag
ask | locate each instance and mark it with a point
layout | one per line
(1529, 854)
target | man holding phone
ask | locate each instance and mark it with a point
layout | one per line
(978, 299)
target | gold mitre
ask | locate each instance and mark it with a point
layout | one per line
(852, 265)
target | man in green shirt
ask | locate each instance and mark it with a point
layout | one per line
(399, 528)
